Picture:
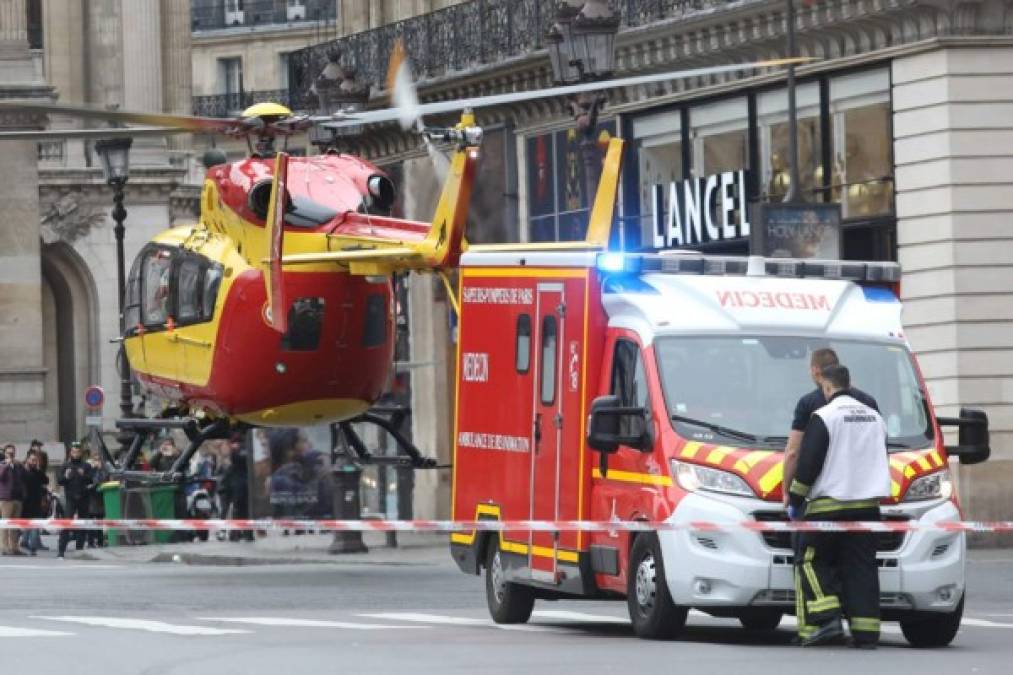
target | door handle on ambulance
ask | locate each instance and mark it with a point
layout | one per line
(538, 431)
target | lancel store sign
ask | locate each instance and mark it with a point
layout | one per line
(701, 210)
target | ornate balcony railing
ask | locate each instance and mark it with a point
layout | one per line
(231, 105)
(466, 36)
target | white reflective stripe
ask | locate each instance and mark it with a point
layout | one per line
(984, 623)
(143, 624)
(420, 617)
(564, 615)
(303, 623)
(18, 632)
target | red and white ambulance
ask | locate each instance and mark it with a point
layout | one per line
(660, 387)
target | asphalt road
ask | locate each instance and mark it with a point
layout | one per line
(414, 614)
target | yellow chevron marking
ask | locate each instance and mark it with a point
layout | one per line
(923, 461)
(772, 478)
(909, 471)
(718, 454)
(690, 449)
(936, 459)
(755, 457)
(741, 467)
(894, 488)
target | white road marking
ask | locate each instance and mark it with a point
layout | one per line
(303, 623)
(563, 615)
(421, 617)
(143, 624)
(18, 632)
(983, 623)
(62, 567)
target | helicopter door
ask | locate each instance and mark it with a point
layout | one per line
(160, 354)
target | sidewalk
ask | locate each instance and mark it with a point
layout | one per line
(277, 549)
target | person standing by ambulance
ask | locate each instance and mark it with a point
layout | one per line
(807, 405)
(843, 472)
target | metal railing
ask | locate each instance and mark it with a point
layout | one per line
(231, 105)
(467, 36)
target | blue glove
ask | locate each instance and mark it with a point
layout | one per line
(793, 512)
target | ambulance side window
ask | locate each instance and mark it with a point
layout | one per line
(548, 360)
(629, 379)
(522, 359)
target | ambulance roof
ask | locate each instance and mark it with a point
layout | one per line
(691, 293)
(661, 304)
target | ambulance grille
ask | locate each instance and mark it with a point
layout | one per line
(885, 541)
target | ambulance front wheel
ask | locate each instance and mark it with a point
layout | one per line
(933, 629)
(652, 612)
(508, 602)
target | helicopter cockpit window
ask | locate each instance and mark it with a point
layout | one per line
(212, 280)
(157, 286)
(132, 305)
(305, 319)
(188, 291)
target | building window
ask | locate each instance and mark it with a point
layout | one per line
(720, 137)
(660, 155)
(772, 120)
(558, 190)
(862, 179)
(35, 36)
(230, 81)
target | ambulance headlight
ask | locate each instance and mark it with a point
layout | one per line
(693, 477)
(934, 486)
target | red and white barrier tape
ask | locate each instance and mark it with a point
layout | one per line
(447, 526)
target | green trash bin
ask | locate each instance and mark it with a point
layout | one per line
(110, 491)
(163, 507)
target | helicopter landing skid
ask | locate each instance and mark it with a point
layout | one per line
(389, 419)
(143, 429)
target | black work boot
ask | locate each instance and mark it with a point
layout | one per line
(828, 634)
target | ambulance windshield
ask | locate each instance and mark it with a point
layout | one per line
(751, 385)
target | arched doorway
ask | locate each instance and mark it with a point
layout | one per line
(70, 335)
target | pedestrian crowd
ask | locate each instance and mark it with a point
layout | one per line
(218, 474)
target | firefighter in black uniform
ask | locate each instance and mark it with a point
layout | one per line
(843, 472)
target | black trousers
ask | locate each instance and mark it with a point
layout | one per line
(76, 508)
(836, 575)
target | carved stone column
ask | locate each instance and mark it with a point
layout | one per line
(177, 70)
(22, 374)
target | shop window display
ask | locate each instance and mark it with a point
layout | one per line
(862, 142)
(772, 118)
(720, 137)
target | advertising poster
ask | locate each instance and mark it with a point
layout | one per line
(292, 473)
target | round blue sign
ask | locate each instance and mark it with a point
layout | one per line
(94, 397)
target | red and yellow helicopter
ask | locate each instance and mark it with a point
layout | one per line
(276, 308)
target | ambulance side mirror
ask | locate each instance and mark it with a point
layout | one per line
(610, 425)
(973, 445)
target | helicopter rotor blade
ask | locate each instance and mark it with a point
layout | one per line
(395, 113)
(66, 134)
(189, 123)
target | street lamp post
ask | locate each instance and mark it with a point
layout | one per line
(115, 156)
(793, 192)
(581, 48)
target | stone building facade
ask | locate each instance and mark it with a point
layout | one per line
(58, 286)
(904, 120)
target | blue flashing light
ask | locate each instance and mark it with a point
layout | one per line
(879, 294)
(615, 262)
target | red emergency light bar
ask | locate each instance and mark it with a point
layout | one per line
(796, 268)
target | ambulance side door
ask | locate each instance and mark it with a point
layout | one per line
(628, 488)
